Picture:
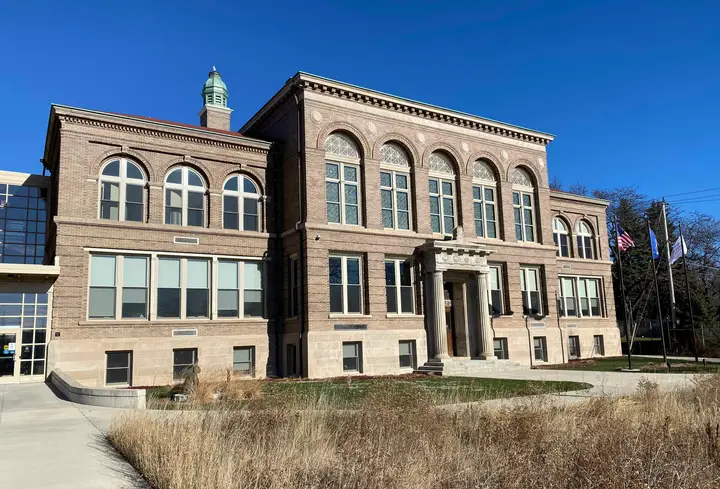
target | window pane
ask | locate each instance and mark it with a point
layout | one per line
(169, 273)
(250, 222)
(118, 360)
(242, 355)
(228, 303)
(351, 214)
(249, 186)
(134, 194)
(110, 191)
(336, 300)
(386, 200)
(112, 169)
(391, 299)
(134, 303)
(350, 173)
(353, 271)
(194, 179)
(253, 275)
(231, 184)
(230, 221)
(135, 271)
(197, 274)
(435, 224)
(401, 181)
(196, 218)
(385, 179)
(134, 212)
(133, 171)
(230, 204)
(387, 218)
(227, 275)
(403, 220)
(103, 271)
(117, 376)
(253, 303)
(102, 303)
(173, 197)
(354, 299)
(351, 194)
(406, 299)
(175, 176)
(447, 188)
(333, 213)
(433, 184)
(332, 171)
(390, 272)
(335, 266)
(168, 303)
(197, 303)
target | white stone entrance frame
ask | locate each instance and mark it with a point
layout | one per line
(461, 256)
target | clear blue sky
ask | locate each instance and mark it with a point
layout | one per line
(630, 89)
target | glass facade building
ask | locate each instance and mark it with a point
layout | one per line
(23, 222)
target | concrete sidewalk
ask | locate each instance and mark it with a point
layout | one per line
(47, 442)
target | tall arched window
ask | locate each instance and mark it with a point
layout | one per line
(122, 191)
(523, 204)
(241, 198)
(585, 241)
(442, 193)
(484, 200)
(342, 180)
(395, 187)
(185, 197)
(561, 237)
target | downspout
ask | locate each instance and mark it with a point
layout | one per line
(530, 341)
(301, 230)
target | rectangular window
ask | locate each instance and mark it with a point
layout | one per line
(500, 348)
(530, 288)
(496, 290)
(407, 354)
(244, 360)
(399, 289)
(540, 346)
(253, 291)
(293, 287)
(240, 289)
(395, 199)
(574, 346)
(442, 206)
(197, 289)
(228, 289)
(183, 360)
(342, 197)
(579, 296)
(23, 221)
(118, 367)
(566, 297)
(352, 356)
(524, 216)
(485, 215)
(345, 279)
(168, 292)
(135, 287)
(598, 345)
(102, 287)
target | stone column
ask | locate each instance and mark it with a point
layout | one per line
(438, 305)
(487, 351)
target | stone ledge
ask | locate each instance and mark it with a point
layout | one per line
(94, 396)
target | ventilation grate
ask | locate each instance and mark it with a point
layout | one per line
(184, 332)
(186, 240)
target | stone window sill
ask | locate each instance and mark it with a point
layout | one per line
(392, 315)
(349, 316)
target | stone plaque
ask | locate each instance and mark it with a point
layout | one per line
(350, 327)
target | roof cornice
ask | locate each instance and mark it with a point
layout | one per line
(307, 81)
(559, 194)
(145, 127)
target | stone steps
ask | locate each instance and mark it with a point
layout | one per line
(466, 366)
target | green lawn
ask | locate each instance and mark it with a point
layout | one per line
(650, 365)
(403, 389)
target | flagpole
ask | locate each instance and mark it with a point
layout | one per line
(687, 289)
(657, 290)
(670, 275)
(624, 299)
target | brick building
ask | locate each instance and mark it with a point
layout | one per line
(342, 230)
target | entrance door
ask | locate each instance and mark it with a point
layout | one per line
(449, 317)
(8, 350)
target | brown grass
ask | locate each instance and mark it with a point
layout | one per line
(651, 440)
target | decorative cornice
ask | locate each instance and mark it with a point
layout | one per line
(304, 81)
(158, 133)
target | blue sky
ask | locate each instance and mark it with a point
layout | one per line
(630, 89)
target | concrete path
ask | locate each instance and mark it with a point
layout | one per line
(47, 442)
(604, 384)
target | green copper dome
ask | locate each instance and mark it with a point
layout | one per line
(214, 91)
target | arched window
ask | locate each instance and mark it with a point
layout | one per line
(484, 200)
(122, 191)
(395, 187)
(342, 180)
(185, 197)
(585, 241)
(241, 198)
(561, 237)
(523, 204)
(442, 193)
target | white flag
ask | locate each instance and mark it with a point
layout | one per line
(678, 249)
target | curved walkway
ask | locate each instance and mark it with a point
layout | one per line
(50, 443)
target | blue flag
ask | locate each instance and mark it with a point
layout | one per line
(654, 245)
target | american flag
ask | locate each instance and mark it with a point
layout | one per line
(624, 239)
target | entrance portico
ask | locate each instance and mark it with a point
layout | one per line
(460, 268)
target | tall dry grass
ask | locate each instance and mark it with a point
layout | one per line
(651, 440)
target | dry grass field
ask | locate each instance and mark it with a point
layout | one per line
(404, 440)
